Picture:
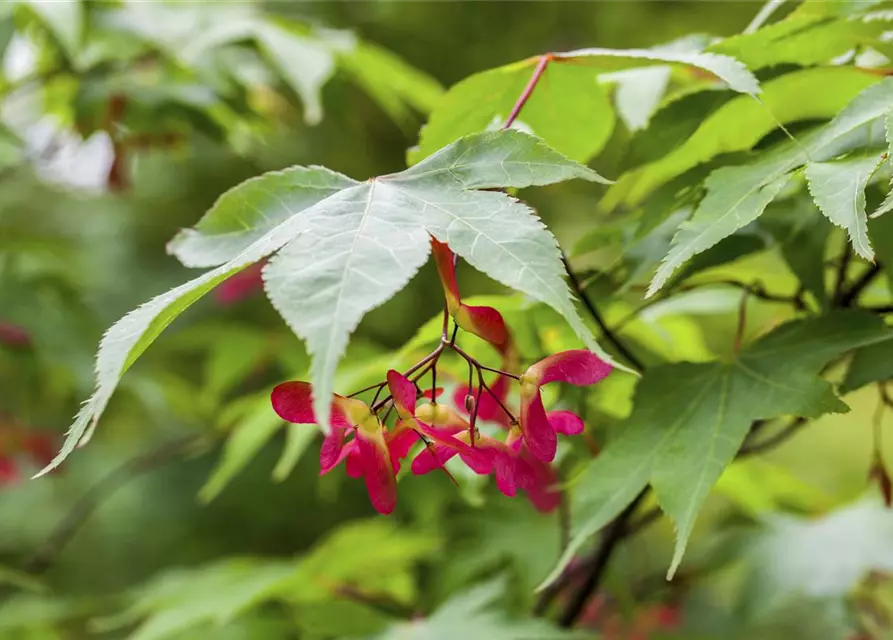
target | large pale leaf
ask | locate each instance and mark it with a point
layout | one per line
(347, 251)
(738, 195)
(838, 188)
(243, 215)
(690, 419)
(742, 122)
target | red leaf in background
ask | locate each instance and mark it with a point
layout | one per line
(13, 335)
(240, 285)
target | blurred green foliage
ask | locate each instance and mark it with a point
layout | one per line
(197, 513)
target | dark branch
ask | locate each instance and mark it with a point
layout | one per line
(596, 566)
(849, 297)
(622, 349)
(840, 280)
(772, 441)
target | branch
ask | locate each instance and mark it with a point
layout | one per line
(773, 440)
(599, 320)
(887, 308)
(756, 289)
(842, 266)
(849, 297)
(528, 90)
(595, 567)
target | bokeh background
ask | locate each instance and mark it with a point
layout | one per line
(90, 192)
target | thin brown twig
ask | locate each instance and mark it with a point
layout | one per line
(528, 90)
(622, 349)
(773, 440)
(596, 566)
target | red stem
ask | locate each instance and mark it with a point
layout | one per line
(531, 85)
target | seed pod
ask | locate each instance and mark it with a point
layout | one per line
(469, 404)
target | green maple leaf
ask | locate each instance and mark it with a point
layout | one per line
(568, 109)
(742, 122)
(814, 33)
(689, 421)
(737, 195)
(344, 247)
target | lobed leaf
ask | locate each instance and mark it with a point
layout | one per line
(569, 109)
(742, 122)
(712, 407)
(738, 195)
(342, 252)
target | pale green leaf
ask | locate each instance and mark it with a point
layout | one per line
(689, 421)
(887, 204)
(727, 69)
(375, 555)
(253, 430)
(579, 128)
(838, 188)
(742, 122)
(350, 251)
(811, 35)
(731, 203)
(395, 85)
(638, 93)
(758, 487)
(473, 614)
(305, 62)
(181, 600)
(184, 32)
(738, 195)
(65, 20)
(763, 15)
(297, 438)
